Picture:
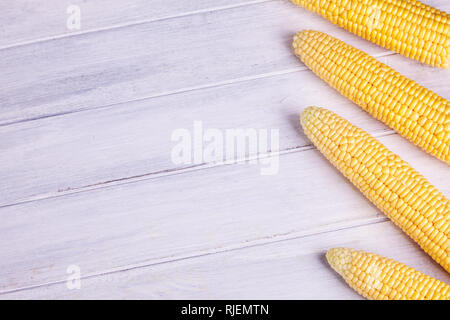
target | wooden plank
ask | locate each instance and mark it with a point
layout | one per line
(54, 155)
(25, 21)
(183, 215)
(294, 269)
(155, 58)
(132, 225)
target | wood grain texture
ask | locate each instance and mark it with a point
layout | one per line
(187, 214)
(86, 172)
(153, 59)
(84, 149)
(294, 269)
(28, 21)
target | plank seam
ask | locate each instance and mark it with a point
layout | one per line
(165, 94)
(268, 240)
(167, 173)
(177, 91)
(134, 23)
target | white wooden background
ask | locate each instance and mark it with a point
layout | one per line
(86, 175)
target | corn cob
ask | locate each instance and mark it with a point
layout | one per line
(404, 195)
(379, 278)
(417, 113)
(408, 27)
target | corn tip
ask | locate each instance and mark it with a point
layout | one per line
(339, 259)
(296, 38)
(307, 113)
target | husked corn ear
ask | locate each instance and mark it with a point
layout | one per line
(417, 113)
(379, 278)
(404, 195)
(408, 27)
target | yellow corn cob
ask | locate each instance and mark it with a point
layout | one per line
(379, 278)
(417, 113)
(404, 195)
(408, 27)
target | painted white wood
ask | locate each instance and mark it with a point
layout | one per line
(125, 90)
(156, 58)
(26, 21)
(295, 269)
(57, 154)
(187, 214)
